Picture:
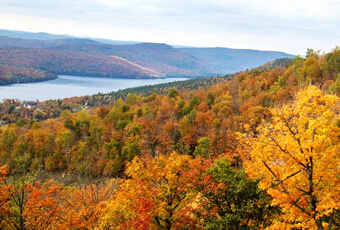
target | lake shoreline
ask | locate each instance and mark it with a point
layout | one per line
(19, 80)
(38, 80)
(66, 86)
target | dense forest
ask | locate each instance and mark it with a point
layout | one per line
(254, 150)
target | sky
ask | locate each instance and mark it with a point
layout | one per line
(282, 25)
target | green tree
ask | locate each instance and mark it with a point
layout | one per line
(233, 200)
(203, 148)
(173, 93)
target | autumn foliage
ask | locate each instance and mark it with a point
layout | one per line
(297, 156)
(259, 151)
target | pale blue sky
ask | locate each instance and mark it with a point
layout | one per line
(286, 25)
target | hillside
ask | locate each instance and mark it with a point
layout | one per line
(164, 59)
(73, 63)
(155, 59)
(181, 155)
(265, 142)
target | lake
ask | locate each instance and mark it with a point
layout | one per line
(70, 86)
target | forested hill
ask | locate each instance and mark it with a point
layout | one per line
(259, 150)
(142, 60)
(73, 63)
(13, 74)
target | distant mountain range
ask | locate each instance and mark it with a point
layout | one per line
(62, 54)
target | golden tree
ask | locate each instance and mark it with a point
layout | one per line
(296, 155)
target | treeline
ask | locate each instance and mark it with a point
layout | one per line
(164, 88)
(191, 84)
(260, 150)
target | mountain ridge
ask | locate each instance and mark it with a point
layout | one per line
(142, 60)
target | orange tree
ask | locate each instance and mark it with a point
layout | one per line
(43, 208)
(53, 206)
(5, 194)
(296, 155)
(155, 196)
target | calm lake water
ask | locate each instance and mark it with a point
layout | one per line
(70, 86)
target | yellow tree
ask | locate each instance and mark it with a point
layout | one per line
(8, 138)
(297, 157)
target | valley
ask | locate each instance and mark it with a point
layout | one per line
(86, 57)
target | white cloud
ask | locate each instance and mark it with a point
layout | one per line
(290, 25)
